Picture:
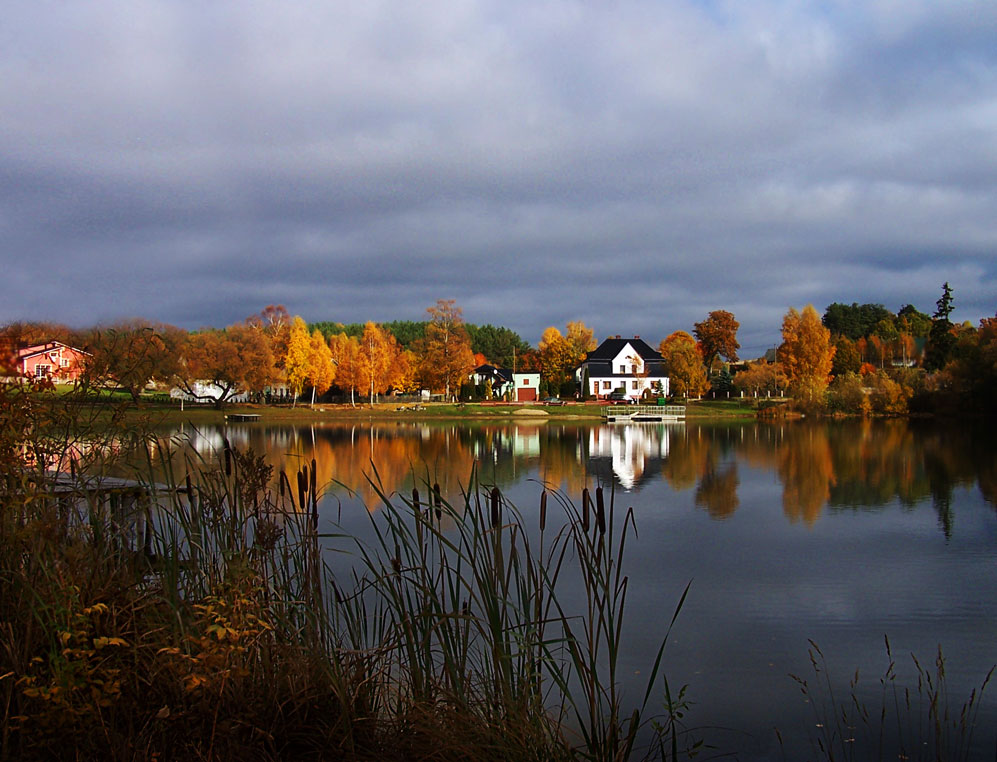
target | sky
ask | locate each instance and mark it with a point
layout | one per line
(634, 165)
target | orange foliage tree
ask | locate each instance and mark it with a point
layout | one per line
(235, 360)
(684, 365)
(717, 336)
(446, 354)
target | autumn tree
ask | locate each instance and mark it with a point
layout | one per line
(684, 365)
(274, 322)
(760, 378)
(446, 349)
(846, 356)
(717, 336)
(238, 359)
(561, 354)
(379, 352)
(345, 352)
(297, 356)
(321, 369)
(130, 354)
(554, 356)
(806, 355)
(403, 376)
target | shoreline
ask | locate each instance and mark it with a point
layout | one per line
(423, 412)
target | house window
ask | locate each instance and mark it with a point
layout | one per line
(633, 370)
(623, 369)
(64, 362)
(42, 370)
(526, 382)
(607, 384)
(633, 384)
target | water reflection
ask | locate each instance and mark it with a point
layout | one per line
(827, 467)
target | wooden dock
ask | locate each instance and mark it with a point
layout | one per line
(242, 417)
(642, 413)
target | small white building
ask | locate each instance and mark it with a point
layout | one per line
(630, 365)
(526, 387)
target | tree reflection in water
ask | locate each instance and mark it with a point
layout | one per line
(854, 465)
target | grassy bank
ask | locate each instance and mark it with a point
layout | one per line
(169, 413)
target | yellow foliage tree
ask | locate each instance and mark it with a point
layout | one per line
(296, 361)
(321, 369)
(684, 365)
(806, 355)
(345, 352)
(554, 356)
(379, 352)
(561, 354)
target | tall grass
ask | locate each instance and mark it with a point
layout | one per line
(919, 722)
(197, 617)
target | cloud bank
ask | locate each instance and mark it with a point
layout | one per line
(630, 164)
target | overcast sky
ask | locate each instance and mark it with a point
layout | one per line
(634, 165)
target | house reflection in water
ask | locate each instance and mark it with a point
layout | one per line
(630, 448)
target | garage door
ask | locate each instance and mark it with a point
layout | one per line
(526, 394)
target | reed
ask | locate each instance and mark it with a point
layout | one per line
(197, 617)
(919, 722)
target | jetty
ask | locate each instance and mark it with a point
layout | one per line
(641, 413)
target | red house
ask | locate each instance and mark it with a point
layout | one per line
(54, 360)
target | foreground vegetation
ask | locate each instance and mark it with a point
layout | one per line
(206, 623)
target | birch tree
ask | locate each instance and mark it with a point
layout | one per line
(446, 350)
(378, 355)
(806, 355)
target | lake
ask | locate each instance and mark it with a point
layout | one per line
(841, 533)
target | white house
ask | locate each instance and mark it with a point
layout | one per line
(627, 364)
(501, 379)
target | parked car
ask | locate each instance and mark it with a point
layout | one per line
(619, 397)
(553, 401)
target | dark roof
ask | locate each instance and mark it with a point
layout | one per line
(612, 347)
(490, 370)
(606, 369)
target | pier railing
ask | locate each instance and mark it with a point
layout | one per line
(630, 411)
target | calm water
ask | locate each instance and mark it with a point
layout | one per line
(840, 533)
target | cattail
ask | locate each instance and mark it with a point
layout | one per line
(415, 499)
(311, 488)
(600, 511)
(496, 516)
(280, 482)
(228, 456)
(543, 510)
(438, 497)
(585, 509)
(302, 488)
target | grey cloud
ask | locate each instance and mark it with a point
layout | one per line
(633, 165)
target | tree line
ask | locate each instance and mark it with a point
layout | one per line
(855, 358)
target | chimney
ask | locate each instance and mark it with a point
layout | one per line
(636, 335)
